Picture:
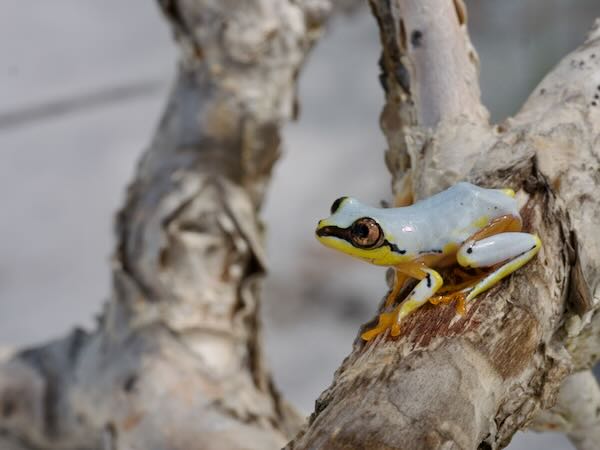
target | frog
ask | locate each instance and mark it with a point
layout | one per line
(466, 225)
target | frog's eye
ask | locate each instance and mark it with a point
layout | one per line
(366, 233)
(336, 204)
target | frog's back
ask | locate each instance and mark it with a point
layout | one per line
(453, 215)
(466, 199)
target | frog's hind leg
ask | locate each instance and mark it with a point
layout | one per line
(514, 249)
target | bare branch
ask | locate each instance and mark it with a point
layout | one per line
(442, 64)
(57, 108)
(430, 76)
(451, 382)
(176, 361)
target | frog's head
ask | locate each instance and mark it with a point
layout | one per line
(351, 230)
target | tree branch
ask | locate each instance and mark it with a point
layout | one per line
(451, 382)
(442, 64)
(176, 361)
(430, 77)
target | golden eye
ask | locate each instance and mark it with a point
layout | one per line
(366, 233)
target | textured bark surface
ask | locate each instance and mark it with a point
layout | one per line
(176, 361)
(452, 382)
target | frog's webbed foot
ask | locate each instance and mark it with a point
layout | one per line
(460, 297)
(457, 290)
(385, 322)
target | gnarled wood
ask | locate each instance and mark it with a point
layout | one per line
(176, 361)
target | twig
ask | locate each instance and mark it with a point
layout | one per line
(55, 109)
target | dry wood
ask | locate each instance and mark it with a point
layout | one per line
(176, 361)
(451, 382)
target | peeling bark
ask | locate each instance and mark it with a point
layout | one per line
(451, 382)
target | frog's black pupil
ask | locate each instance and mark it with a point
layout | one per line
(363, 230)
(336, 204)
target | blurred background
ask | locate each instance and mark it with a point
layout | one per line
(82, 84)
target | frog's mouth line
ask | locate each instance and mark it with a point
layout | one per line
(345, 234)
(333, 231)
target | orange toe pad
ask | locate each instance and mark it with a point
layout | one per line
(385, 321)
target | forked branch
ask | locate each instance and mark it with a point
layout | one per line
(451, 382)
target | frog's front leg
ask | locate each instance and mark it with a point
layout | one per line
(403, 272)
(430, 282)
(399, 279)
(422, 292)
(514, 249)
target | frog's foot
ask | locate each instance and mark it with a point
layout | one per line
(459, 297)
(385, 321)
(430, 283)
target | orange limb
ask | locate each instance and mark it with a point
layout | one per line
(389, 320)
(500, 224)
(401, 274)
(399, 280)
(459, 297)
(412, 269)
(385, 321)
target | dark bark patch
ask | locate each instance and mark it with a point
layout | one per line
(416, 38)
(461, 12)
(130, 383)
(109, 437)
(579, 294)
(9, 406)
(402, 32)
(402, 76)
(510, 354)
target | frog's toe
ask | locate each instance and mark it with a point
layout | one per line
(385, 321)
(458, 297)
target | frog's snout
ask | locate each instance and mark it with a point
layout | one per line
(319, 228)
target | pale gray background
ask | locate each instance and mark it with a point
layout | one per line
(63, 172)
